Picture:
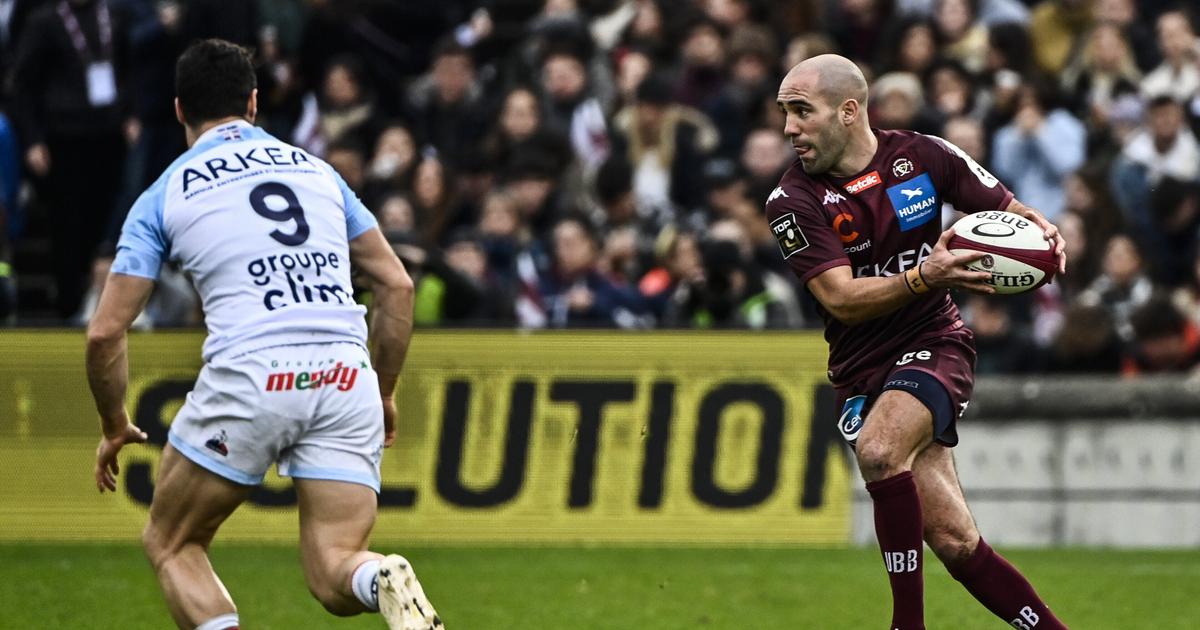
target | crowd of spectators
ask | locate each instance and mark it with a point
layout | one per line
(604, 163)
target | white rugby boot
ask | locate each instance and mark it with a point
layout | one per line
(402, 601)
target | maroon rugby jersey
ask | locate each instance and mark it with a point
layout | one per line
(880, 221)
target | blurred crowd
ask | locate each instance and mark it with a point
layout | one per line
(604, 163)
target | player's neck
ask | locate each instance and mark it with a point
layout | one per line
(193, 133)
(858, 155)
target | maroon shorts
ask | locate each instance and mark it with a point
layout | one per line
(938, 370)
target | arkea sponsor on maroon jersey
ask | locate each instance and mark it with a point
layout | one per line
(887, 222)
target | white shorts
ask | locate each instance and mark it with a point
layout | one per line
(313, 409)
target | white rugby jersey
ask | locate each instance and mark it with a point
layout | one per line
(263, 230)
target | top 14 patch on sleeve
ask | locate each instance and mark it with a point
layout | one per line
(791, 239)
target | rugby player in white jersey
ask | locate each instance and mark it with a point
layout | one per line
(267, 233)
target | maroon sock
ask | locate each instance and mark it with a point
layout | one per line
(898, 528)
(1001, 588)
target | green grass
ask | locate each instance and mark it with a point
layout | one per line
(101, 587)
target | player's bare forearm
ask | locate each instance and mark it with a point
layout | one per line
(391, 331)
(108, 375)
(1051, 232)
(392, 307)
(855, 300)
(107, 363)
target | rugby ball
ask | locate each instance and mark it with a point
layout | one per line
(1018, 255)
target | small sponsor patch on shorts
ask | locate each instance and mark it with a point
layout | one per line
(340, 376)
(851, 420)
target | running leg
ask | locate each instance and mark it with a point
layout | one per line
(335, 522)
(189, 504)
(898, 427)
(953, 536)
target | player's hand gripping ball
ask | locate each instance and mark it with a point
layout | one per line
(1018, 256)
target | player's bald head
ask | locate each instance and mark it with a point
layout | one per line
(837, 78)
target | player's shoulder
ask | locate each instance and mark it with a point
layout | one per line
(905, 152)
(923, 145)
(795, 190)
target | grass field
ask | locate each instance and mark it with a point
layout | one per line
(102, 587)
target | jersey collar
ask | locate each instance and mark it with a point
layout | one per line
(232, 131)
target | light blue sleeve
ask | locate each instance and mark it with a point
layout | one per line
(358, 218)
(142, 248)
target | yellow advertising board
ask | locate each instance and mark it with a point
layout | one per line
(504, 437)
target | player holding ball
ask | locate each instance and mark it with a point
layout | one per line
(857, 217)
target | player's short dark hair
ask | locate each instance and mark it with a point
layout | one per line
(213, 80)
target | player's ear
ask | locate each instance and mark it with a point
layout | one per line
(252, 105)
(849, 111)
(179, 113)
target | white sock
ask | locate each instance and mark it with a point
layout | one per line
(224, 622)
(365, 584)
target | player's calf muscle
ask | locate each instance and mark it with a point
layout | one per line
(951, 543)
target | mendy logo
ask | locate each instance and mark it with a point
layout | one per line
(914, 201)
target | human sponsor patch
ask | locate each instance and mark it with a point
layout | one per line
(791, 239)
(914, 201)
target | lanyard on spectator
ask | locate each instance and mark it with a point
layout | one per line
(104, 26)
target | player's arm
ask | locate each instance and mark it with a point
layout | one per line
(391, 317)
(1050, 230)
(121, 301)
(971, 188)
(855, 300)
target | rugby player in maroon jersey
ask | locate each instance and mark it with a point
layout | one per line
(858, 219)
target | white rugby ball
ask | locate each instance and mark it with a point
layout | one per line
(1018, 256)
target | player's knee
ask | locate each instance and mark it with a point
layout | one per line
(154, 544)
(878, 460)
